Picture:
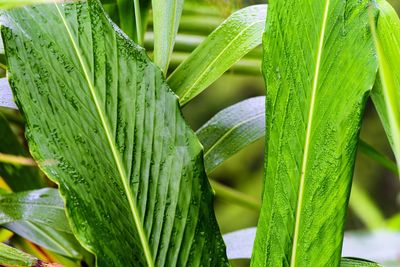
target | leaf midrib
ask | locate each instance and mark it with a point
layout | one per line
(308, 136)
(116, 156)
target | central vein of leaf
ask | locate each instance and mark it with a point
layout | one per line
(116, 156)
(308, 136)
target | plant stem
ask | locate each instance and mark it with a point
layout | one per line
(16, 160)
(138, 20)
(235, 197)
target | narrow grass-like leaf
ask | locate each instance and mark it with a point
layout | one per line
(129, 168)
(231, 130)
(237, 36)
(13, 257)
(319, 71)
(43, 206)
(386, 94)
(166, 17)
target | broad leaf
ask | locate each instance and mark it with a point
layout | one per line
(20, 178)
(386, 94)
(318, 70)
(241, 124)
(240, 246)
(166, 17)
(104, 125)
(44, 207)
(231, 130)
(237, 36)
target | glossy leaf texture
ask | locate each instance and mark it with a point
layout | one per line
(233, 39)
(319, 69)
(231, 130)
(166, 17)
(60, 242)
(103, 124)
(44, 207)
(241, 124)
(21, 178)
(386, 94)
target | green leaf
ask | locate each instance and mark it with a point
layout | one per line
(315, 102)
(14, 257)
(59, 242)
(166, 17)
(20, 178)
(7, 4)
(354, 262)
(44, 207)
(231, 130)
(386, 94)
(132, 17)
(111, 134)
(233, 39)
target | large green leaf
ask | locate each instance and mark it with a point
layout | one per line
(20, 178)
(386, 94)
(319, 68)
(103, 124)
(166, 17)
(233, 39)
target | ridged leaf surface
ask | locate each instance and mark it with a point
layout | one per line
(103, 124)
(319, 67)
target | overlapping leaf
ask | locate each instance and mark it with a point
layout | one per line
(386, 94)
(233, 39)
(319, 70)
(103, 124)
(166, 17)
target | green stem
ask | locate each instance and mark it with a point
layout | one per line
(16, 160)
(138, 20)
(235, 197)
